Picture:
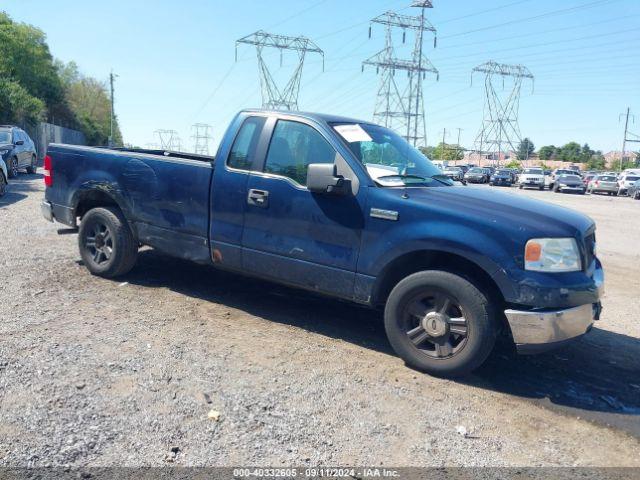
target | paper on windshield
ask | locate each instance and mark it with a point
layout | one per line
(353, 133)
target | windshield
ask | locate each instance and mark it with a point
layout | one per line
(632, 179)
(569, 177)
(607, 179)
(533, 171)
(5, 137)
(476, 170)
(388, 158)
(503, 172)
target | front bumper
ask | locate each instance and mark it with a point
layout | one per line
(535, 331)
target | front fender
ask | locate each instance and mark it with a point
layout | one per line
(480, 247)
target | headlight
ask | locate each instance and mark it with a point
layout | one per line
(552, 255)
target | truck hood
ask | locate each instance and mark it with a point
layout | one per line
(520, 216)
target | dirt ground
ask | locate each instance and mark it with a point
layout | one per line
(179, 364)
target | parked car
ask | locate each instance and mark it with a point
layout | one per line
(4, 175)
(603, 184)
(502, 177)
(569, 183)
(532, 177)
(454, 173)
(476, 175)
(17, 150)
(625, 181)
(291, 197)
(557, 172)
(634, 190)
(586, 179)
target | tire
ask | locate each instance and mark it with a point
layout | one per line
(102, 230)
(3, 184)
(450, 354)
(541, 188)
(491, 184)
(12, 167)
(521, 186)
(33, 166)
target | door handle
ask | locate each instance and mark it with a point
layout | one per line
(258, 198)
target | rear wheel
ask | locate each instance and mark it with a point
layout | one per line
(12, 167)
(440, 323)
(33, 165)
(3, 184)
(107, 245)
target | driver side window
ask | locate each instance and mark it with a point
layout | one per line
(293, 147)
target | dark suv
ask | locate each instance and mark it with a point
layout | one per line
(17, 150)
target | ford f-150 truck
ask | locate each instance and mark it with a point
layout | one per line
(348, 209)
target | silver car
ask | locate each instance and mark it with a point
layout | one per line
(603, 184)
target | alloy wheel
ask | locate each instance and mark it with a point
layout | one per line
(435, 324)
(99, 242)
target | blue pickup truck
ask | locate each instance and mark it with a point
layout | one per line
(350, 210)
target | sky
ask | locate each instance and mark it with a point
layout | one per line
(176, 64)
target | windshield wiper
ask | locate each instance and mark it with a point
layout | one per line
(402, 177)
(442, 178)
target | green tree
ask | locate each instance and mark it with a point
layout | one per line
(596, 162)
(571, 152)
(447, 152)
(428, 152)
(26, 62)
(547, 152)
(525, 149)
(89, 100)
(514, 164)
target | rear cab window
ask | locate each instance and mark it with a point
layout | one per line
(242, 154)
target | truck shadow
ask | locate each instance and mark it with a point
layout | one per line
(19, 188)
(599, 374)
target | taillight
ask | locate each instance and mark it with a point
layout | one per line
(48, 171)
(597, 183)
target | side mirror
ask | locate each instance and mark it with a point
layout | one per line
(323, 178)
(20, 142)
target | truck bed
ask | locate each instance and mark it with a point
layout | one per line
(164, 195)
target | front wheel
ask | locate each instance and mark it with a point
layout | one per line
(440, 323)
(12, 167)
(107, 245)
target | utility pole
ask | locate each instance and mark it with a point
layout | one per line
(112, 78)
(444, 136)
(400, 106)
(627, 134)
(458, 144)
(273, 96)
(500, 130)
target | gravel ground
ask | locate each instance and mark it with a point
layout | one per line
(178, 364)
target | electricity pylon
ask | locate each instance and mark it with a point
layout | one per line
(274, 97)
(500, 130)
(400, 105)
(201, 138)
(169, 140)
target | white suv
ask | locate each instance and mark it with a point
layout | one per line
(625, 181)
(532, 177)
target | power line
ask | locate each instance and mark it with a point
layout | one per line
(482, 12)
(535, 17)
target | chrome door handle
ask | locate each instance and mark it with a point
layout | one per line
(258, 198)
